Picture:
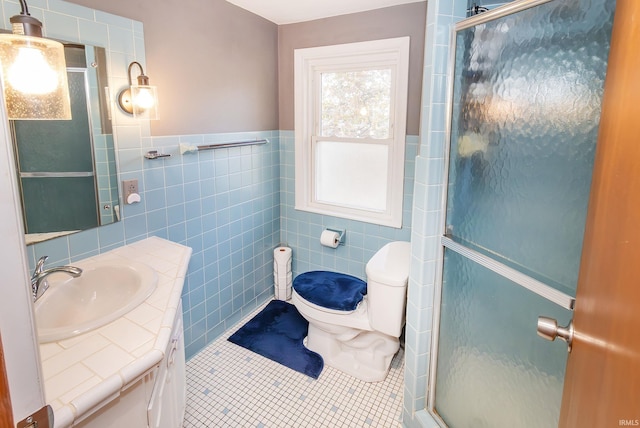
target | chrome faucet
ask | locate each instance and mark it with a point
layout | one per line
(39, 283)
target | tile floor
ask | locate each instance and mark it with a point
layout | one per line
(229, 386)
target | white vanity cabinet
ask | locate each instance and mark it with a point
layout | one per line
(168, 400)
(156, 400)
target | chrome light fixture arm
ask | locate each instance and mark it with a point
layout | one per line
(138, 99)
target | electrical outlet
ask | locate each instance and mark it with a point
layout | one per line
(129, 187)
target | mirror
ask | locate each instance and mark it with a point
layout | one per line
(67, 169)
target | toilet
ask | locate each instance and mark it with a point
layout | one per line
(355, 325)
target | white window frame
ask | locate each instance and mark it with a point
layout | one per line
(308, 64)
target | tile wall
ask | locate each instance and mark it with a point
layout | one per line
(427, 214)
(222, 203)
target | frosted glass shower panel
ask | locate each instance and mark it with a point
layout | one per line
(526, 109)
(493, 369)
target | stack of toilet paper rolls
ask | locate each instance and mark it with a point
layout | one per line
(282, 275)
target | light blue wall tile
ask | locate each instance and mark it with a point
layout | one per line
(442, 33)
(192, 172)
(191, 191)
(157, 220)
(113, 20)
(128, 137)
(83, 242)
(129, 160)
(135, 226)
(56, 249)
(177, 232)
(154, 178)
(61, 27)
(427, 214)
(175, 195)
(155, 200)
(435, 171)
(173, 175)
(437, 143)
(175, 214)
(439, 89)
(441, 58)
(111, 235)
(70, 9)
(138, 28)
(42, 4)
(445, 8)
(121, 41)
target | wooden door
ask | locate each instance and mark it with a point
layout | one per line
(6, 411)
(602, 383)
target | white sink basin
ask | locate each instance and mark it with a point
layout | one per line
(105, 291)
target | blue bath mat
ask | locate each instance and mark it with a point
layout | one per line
(277, 333)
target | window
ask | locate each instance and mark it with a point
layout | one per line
(350, 124)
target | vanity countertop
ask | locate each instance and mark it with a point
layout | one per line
(82, 372)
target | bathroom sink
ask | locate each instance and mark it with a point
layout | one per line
(105, 291)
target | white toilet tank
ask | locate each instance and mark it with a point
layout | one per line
(387, 278)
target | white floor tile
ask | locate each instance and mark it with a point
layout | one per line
(230, 386)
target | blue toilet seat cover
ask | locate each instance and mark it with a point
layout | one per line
(330, 290)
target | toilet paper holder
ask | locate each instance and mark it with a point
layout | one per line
(340, 232)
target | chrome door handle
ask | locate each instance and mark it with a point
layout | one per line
(548, 329)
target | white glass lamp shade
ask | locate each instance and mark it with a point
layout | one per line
(144, 101)
(34, 78)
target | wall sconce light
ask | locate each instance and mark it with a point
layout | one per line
(140, 100)
(34, 71)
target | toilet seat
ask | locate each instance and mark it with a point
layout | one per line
(331, 290)
(357, 318)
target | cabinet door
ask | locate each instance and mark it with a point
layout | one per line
(177, 378)
(168, 400)
(156, 411)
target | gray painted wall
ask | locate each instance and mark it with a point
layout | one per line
(219, 68)
(398, 21)
(214, 63)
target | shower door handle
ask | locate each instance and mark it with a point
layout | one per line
(548, 329)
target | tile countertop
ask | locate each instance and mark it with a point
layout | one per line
(82, 372)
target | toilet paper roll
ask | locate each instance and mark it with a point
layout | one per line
(282, 265)
(282, 256)
(330, 239)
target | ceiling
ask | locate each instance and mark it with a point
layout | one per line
(290, 11)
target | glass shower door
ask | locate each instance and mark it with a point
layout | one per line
(527, 89)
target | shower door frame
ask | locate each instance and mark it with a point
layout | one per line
(537, 287)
